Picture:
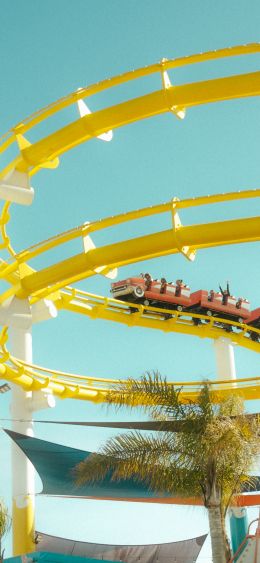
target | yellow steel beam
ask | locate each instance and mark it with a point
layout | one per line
(63, 385)
(142, 248)
(82, 230)
(97, 307)
(12, 272)
(51, 109)
(85, 128)
(164, 65)
(67, 385)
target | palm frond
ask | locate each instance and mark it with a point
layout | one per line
(211, 454)
(153, 392)
(5, 520)
(155, 461)
(94, 468)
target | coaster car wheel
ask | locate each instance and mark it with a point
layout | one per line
(138, 291)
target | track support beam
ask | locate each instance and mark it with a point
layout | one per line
(23, 404)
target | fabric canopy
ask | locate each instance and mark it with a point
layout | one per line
(155, 425)
(185, 551)
(55, 464)
(151, 425)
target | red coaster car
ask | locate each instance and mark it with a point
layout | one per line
(211, 304)
(157, 293)
(166, 295)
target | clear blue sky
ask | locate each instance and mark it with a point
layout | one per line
(51, 48)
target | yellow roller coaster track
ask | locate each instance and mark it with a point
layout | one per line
(46, 151)
(71, 386)
(52, 281)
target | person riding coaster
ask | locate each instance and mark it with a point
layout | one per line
(225, 294)
(159, 293)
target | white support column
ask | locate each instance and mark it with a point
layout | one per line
(19, 316)
(225, 359)
(22, 469)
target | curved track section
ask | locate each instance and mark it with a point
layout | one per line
(71, 386)
(27, 282)
(45, 152)
(52, 282)
(95, 306)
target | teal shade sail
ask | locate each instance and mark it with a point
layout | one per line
(55, 464)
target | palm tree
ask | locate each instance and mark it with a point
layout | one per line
(5, 523)
(210, 456)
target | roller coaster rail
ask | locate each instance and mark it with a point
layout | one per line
(102, 260)
(72, 386)
(22, 159)
(45, 152)
(100, 307)
(53, 282)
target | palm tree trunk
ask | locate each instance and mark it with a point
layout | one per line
(216, 534)
(228, 551)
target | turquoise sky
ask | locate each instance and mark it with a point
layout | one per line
(49, 49)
